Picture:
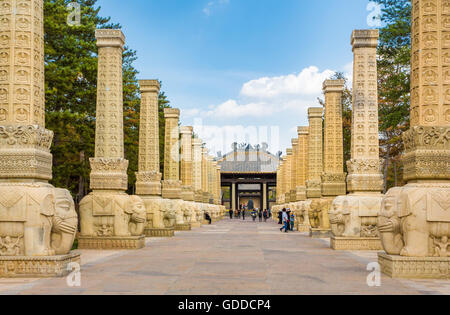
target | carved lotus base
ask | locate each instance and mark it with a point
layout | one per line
(414, 267)
(356, 243)
(303, 228)
(319, 233)
(183, 227)
(112, 242)
(159, 232)
(37, 267)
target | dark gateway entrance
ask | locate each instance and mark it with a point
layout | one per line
(249, 174)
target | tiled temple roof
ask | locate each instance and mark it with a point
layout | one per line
(249, 160)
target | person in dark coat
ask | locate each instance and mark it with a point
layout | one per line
(280, 217)
(208, 217)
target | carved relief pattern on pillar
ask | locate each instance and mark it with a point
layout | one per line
(295, 165)
(197, 164)
(288, 178)
(148, 179)
(315, 152)
(186, 156)
(171, 154)
(365, 165)
(22, 63)
(333, 178)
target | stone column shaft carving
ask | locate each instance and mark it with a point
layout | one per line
(294, 171)
(205, 177)
(315, 153)
(187, 164)
(171, 186)
(333, 178)
(148, 178)
(197, 168)
(365, 165)
(302, 162)
(288, 172)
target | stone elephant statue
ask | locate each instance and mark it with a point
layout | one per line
(318, 213)
(415, 221)
(168, 214)
(36, 220)
(355, 216)
(106, 214)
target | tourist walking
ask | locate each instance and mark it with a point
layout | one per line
(280, 217)
(243, 214)
(231, 214)
(260, 215)
(266, 215)
(288, 211)
(254, 215)
(285, 220)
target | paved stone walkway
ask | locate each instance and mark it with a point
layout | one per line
(230, 257)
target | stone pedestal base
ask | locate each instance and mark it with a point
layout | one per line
(356, 243)
(183, 227)
(319, 233)
(415, 267)
(159, 232)
(195, 225)
(37, 267)
(112, 242)
(303, 227)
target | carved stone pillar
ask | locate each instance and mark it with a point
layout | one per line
(333, 177)
(32, 211)
(283, 179)
(218, 185)
(205, 177)
(288, 178)
(171, 185)
(294, 170)
(187, 164)
(197, 169)
(353, 217)
(109, 217)
(148, 178)
(302, 163)
(365, 165)
(315, 153)
(422, 207)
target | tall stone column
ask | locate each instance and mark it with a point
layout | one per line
(32, 212)
(171, 185)
(218, 185)
(109, 217)
(197, 169)
(264, 206)
(333, 177)
(148, 178)
(283, 179)
(187, 164)
(365, 164)
(205, 177)
(422, 207)
(233, 197)
(302, 163)
(288, 178)
(211, 179)
(294, 169)
(315, 153)
(353, 217)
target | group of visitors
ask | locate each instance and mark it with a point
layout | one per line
(254, 212)
(287, 219)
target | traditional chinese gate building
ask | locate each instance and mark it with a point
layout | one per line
(249, 175)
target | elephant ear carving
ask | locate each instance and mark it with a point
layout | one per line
(438, 207)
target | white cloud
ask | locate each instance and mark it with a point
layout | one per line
(211, 5)
(307, 82)
(266, 96)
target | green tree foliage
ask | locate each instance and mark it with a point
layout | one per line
(71, 92)
(394, 56)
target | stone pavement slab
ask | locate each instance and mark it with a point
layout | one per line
(231, 257)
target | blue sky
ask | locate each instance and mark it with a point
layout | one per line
(240, 68)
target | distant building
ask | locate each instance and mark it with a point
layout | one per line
(249, 173)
